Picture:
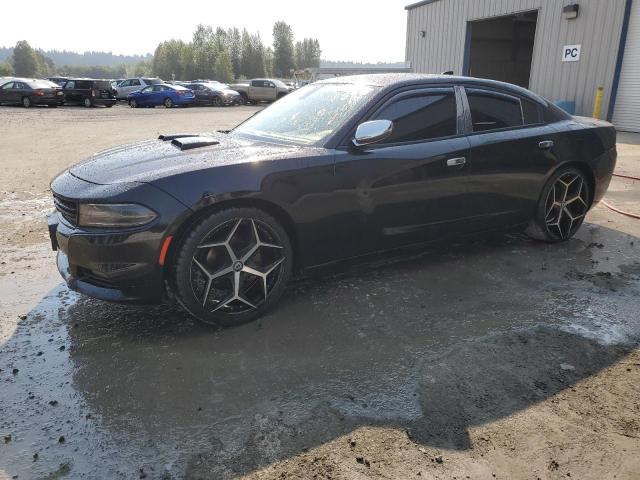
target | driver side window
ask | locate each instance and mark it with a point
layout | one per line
(421, 116)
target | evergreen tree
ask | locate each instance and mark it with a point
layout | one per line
(24, 60)
(283, 56)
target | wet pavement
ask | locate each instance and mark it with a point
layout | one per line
(95, 390)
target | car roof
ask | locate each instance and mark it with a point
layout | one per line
(394, 80)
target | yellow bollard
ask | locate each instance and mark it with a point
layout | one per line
(597, 104)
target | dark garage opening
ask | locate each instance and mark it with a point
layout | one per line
(501, 48)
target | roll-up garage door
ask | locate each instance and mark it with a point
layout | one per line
(626, 116)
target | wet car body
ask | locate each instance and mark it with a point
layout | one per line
(336, 201)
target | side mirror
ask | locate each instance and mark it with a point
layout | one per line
(373, 131)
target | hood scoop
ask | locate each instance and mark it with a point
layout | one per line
(189, 141)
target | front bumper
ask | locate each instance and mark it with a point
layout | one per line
(119, 265)
(116, 268)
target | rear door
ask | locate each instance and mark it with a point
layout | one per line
(70, 95)
(258, 90)
(270, 91)
(511, 152)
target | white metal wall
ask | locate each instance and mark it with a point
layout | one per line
(626, 114)
(597, 29)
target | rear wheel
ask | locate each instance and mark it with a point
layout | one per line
(26, 102)
(562, 207)
(168, 103)
(232, 266)
(87, 102)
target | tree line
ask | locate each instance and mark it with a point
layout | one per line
(217, 54)
(227, 54)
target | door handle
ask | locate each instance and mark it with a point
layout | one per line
(546, 144)
(456, 162)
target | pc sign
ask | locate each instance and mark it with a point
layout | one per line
(571, 53)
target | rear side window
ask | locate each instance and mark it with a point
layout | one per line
(492, 112)
(530, 112)
(83, 85)
(422, 116)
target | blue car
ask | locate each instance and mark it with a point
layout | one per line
(162, 94)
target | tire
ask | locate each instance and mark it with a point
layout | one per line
(133, 103)
(221, 251)
(109, 105)
(244, 99)
(216, 102)
(168, 103)
(87, 102)
(562, 207)
(26, 102)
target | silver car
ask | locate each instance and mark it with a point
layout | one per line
(131, 85)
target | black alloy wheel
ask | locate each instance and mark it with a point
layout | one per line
(563, 205)
(232, 266)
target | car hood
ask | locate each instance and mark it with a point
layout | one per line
(154, 159)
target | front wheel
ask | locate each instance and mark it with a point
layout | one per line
(232, 266)
(133, 103)
(562, 207)
(216, 102)
(168, 103)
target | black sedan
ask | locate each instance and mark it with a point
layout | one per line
(341, 168)
(214, 94)
(30, 91)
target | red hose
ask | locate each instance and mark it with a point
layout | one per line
(617, 210)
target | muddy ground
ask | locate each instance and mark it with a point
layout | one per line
(491, 358)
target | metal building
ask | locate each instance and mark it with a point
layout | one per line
(561, 49)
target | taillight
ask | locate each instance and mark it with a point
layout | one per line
(39, 93)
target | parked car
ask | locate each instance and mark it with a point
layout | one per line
(115, 82)
(30, 91)
(216, 94)
(131, 85)
(89, 92)
(58, 80)
(163, 94)
(261, 90)
(340, 169)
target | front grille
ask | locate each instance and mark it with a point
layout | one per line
(67, 208)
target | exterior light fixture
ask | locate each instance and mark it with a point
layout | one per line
(571, 11)
(423, 33)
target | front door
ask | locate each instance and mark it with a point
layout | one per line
(412, 187)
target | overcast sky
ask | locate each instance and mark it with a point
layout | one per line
(359, 30)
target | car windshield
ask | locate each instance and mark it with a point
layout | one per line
(308, 115)
(152, 81)
(279, 83)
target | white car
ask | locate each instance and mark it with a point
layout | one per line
(131, 85)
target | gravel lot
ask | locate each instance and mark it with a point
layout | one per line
(492, 358)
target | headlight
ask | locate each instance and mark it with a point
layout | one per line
(114, 215)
